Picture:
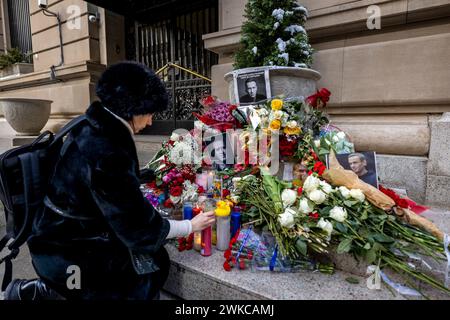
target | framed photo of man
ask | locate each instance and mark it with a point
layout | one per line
(252, 88)
(219, 149)
(364, 164)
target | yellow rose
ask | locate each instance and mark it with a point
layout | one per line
(275, 124)
(292, 131)
(277, 104)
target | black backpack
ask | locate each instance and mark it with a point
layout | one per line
(25, 173)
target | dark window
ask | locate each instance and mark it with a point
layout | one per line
(19, 25)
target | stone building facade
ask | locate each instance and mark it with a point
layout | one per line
(391, 87)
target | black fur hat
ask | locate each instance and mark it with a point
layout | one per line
(129, 88)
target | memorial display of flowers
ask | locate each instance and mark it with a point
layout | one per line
(321, 210)
(175, 166)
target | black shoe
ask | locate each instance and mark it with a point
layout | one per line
(37, 290)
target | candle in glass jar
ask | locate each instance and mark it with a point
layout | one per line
(202, 180)
(206, 242)
(197, 235)
(210, 180)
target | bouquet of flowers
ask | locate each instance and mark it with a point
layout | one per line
(175, 167)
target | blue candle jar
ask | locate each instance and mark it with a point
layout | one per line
(235, 220)
(187, 211)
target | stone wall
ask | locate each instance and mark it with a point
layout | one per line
(87, 46)
(389, 86)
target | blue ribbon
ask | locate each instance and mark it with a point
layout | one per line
(274, 259)
(243, 244)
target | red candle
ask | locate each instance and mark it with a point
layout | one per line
(206, 242)
(196, 210)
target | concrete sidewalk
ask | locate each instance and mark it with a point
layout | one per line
(195, 277)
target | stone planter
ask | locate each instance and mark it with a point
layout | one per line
(284, 81)
(26, 116)
(16, 69)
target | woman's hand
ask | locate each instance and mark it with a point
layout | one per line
(203, 221)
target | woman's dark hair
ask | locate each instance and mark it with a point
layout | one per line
(129, 88)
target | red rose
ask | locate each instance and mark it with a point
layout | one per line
(201, 189)
(233, 260)
(319, 167)
(299, 191)
(310, 172)
(227, 254)
(225, 193)
(176, 191)
(319, 99)
(314, 215)
(241, 264)
(168, 203)
(226, 266)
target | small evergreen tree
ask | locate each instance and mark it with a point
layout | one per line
(274, 34)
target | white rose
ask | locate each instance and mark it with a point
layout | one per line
(317, 143)
(344, 192)
(338, 213)
(325, 225)
(288, 197)
(326, 187)
(235, 198)
(235, 181)
(335, 138)
(278, 114)
(175, 137)
(286, 219)
(311, 184)
(318, 196)
(341, 135)
(357, 194)
(262, 112)
(292, 124)
(306, 206)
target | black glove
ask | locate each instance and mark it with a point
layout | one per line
(146, 176)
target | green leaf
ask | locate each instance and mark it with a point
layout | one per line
(341, 227)
(364, 215)
(323, 152)
(301, 246)
(367, 246)
(350, 203)
(345, 245)
(372, 254)
(352, 280)
(380, 237)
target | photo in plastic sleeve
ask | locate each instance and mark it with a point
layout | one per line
(252, 88)
(364, 164)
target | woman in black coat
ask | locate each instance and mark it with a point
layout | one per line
(96, 223)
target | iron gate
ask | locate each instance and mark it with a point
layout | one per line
(174, 46)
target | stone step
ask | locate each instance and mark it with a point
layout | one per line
(203, 278)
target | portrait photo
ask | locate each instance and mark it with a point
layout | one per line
(252, 88)
(364, 164)
(219, 149)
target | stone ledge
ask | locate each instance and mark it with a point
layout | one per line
(404, 172)
(195, 277)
